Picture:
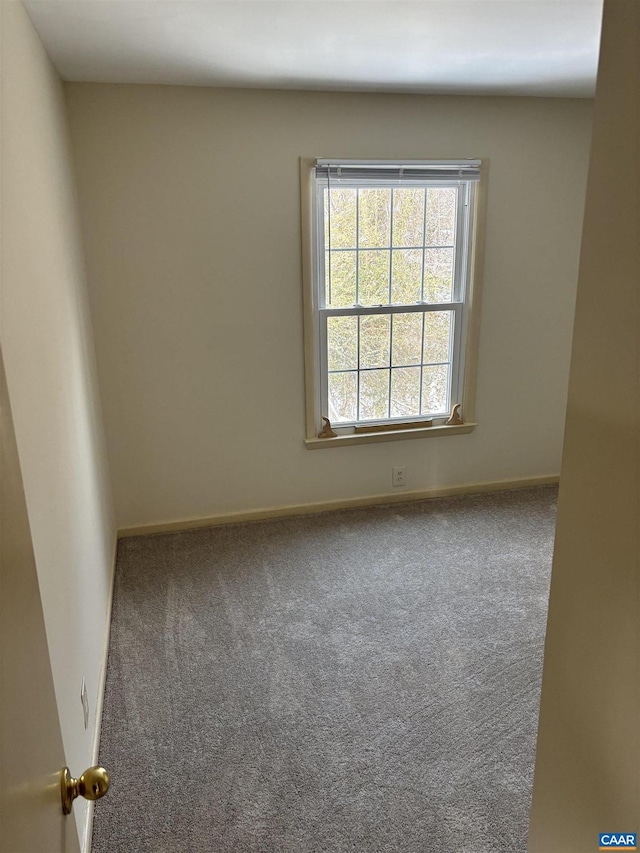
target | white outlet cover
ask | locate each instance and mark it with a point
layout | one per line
(398, 476)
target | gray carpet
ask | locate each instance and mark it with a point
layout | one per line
(365, 680)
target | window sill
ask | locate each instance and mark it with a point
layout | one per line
(392, 435)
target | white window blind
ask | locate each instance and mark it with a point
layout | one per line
(445, 171)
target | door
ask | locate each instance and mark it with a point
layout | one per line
(31, 752)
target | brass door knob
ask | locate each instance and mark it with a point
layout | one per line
(93, 784)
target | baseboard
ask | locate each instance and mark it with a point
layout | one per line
(327, 506)
(95, 746)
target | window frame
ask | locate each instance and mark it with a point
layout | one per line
(464, 305)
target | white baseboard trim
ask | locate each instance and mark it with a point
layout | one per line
(326, 506)
(95, 746)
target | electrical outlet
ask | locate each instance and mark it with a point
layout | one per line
(85, 703)
(398, 477)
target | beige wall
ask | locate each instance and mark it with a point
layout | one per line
(587, 779)
(49, 358)
(191, 214)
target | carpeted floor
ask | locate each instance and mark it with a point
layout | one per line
(361, 681)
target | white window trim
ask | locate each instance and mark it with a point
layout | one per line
(466, 333)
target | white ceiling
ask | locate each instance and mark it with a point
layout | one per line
(503, 47)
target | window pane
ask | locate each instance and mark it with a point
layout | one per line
(342, 397)
(342, 270)
(441, 216)
(373, 278)
(437, 336)
(374, 394)
(374, 340)
(342, 218)
(342, 343)
(374, 217)
(406, 276)
(405, 392)
(408, 217)
(438, 275)
(435, 381)
(407, 339)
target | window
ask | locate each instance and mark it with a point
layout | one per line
(390, 262)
